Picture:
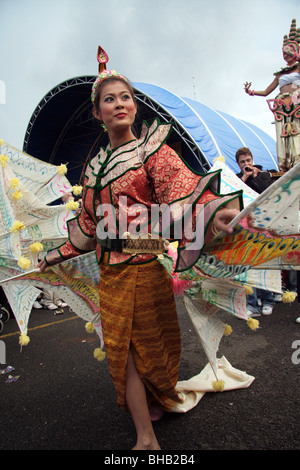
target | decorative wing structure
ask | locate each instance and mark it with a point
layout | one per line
(252, 256)
(30, 221)
(266, 239)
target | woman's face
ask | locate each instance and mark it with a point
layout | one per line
(117, 108)
(289, 53)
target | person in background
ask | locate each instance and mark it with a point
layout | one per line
(68, 197)
(286, 109)
(251, 174)
(261, 301)
(47, 299)
(286, 105)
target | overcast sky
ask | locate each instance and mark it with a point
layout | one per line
(221, 43)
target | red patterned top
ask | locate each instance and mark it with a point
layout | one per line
(123, 190)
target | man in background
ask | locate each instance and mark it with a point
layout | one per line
(261, 301)
(252, 174)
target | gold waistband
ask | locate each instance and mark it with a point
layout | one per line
(134, 246)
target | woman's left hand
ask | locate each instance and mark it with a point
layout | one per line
(222, 219)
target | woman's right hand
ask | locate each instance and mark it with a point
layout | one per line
(247, 87)
(42, 265)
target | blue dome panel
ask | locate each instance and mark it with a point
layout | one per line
(215, 133)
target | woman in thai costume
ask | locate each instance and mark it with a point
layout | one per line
(122, 185)
(286, 105)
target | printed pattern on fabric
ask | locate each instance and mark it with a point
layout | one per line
(142, 316)
(163, 178)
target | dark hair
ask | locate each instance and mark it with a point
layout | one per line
(108, 80)
(242, 151)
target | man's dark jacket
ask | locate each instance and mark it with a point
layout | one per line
(258, 183)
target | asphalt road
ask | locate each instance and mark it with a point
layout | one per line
(64, 398)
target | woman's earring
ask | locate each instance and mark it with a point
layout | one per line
(103, 127)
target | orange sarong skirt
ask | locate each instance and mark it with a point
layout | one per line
(138, 311)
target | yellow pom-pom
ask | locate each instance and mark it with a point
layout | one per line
(36, 247)
(218, 385)
(89, 326)
(249, 290)
(1, 142)
(14, 183)
(220, 158)
(3, 160)
(228, 330)
(253, 323)
(72, 205)
(24, 263)
(77, 190)
(24, 339)
(62, 169)
(17, 226)
(288, 297)
(16, 195)
(99, 354)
